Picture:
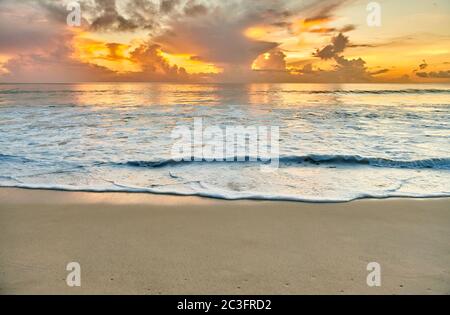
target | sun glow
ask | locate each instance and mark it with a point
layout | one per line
(258, 32)
(115, 57)
(192, 64)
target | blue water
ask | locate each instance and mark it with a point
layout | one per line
(337, 142)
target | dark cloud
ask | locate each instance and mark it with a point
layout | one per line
(361, 45)
(167, 6)
(324, 11)
(337, 46)
(272, 61)
(108, 16)
(193, 8)
(328, 30)
(351, 70)
(152, 62)
(55, 10)
(422, 66)
(346, 70)
(381, 71)
(139, 15)
(347, 28)
(196, 58)
(282, 24)
(434, 74)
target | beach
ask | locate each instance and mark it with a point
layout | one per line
(206, 147)
(152, 244)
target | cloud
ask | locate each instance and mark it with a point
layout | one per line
(193, 8)
(212, 30)
(443, 74)
(53, 66)
(381, 71)
(325, 12)
(167, 6)
(22, 30)
(321, 12)
(47, 67)
(154, 65)
(345, 70)
(351, 70)
(135, 14)
(113, 15)
(43, 50)
(337, 46)
(110, 19)
(159, 40)
(218, 37)
(434, 74)
(422, 66)
(319, 16)
(328, 30)
(271, 61)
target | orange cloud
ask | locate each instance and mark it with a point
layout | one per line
(258, 32)
(128, 58)
(3, 60)
(313, 25)
(115, 57)
(270, 61)
(313, 22)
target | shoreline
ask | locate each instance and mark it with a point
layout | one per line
(135, 243)
(209, 197)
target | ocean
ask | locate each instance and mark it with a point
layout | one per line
(336, 142)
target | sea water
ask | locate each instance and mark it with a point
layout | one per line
(336, 142)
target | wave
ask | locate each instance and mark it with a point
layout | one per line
(13, 158)
(381, 92)
(15, 91)
(283, 161)
(316, 159)
(221, 190)
(218, 194)
(338, 91)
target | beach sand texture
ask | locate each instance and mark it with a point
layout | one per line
(152, 244)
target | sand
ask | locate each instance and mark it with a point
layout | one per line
(154, 244)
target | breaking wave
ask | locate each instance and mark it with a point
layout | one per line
(433, 163)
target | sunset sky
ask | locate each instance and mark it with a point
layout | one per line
(225, 41)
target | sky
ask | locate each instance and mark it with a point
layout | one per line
(326, 41)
